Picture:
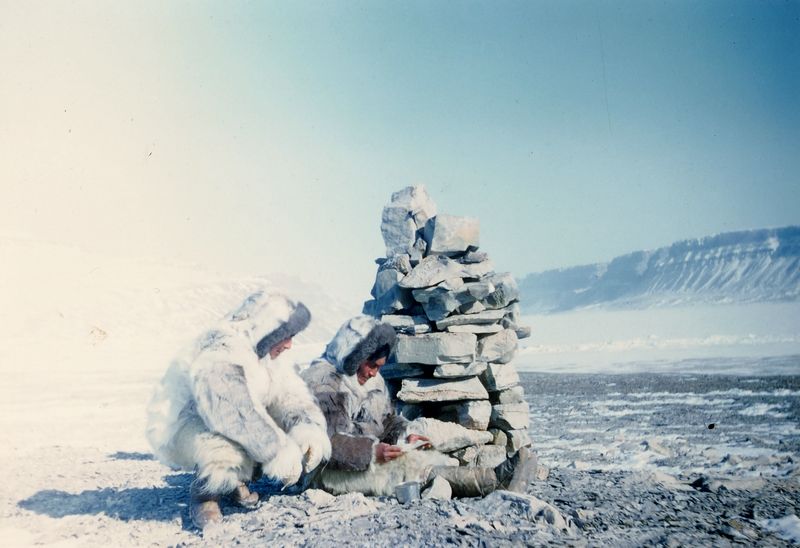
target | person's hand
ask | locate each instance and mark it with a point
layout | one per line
(287, 465)
(385, 452)
(313, 443)
(416, 437)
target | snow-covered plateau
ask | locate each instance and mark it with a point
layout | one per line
(627, 459)
(734, 267)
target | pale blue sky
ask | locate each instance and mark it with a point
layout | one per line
(267, 136)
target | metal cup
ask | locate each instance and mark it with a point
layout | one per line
(407, 492)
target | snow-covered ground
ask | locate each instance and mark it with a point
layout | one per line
(84, 337)
(741, 339)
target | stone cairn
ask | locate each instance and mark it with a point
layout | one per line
(457, 324)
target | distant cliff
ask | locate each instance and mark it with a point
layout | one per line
(746, 266)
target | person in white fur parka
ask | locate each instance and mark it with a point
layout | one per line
(225, 409)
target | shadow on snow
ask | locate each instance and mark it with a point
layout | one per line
(138, 503)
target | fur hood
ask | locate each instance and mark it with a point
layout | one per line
(356, 340)
(265, 320)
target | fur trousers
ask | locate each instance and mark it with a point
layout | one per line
(381, 479)
(221, 464)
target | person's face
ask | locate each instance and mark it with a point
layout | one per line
(369, 369)
(276, 350)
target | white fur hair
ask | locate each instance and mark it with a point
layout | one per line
(261, 313)
(381, 479)
(221, 464)
(347, 338)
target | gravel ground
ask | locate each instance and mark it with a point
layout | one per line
(628, 460)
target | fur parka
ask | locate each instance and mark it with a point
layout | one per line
(358, 416)
(361, 416)
(227, 380)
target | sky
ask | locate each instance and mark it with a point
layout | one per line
(261, 137)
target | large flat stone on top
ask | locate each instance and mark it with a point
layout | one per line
(436, 348)
(499, 347)
(500, 376)
(402, 220)
(448, 436)
(450, 234)
(438, 390)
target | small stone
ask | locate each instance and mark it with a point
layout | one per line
(515, 394)
(454, 370)
(542, 472)
(439, 489)
(509, 416)
(403, 218)
(517, 508)
(490, 455)
(518, 439)
(471, 308)
(467, 456)
(389, 296)
(437, 302)
(434, 390)
(431, 271)
(469, 414)
(447, 436)
(436, 348)
(500, 437)
(408, 325)
(476, 271)
(401, 263)
(499, 377)
(523, 332)
(500, 347)
(450, 234)
(506, 291)
(473, 257)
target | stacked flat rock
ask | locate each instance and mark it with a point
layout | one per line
(457, 323)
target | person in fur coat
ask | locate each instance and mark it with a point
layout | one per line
(370, 445)
(373, 447)
(225, 409)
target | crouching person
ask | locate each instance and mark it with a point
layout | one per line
(367, 436)
(371, 451)
(227, 411)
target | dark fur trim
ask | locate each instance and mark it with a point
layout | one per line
(298, 321)
(380, 335)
